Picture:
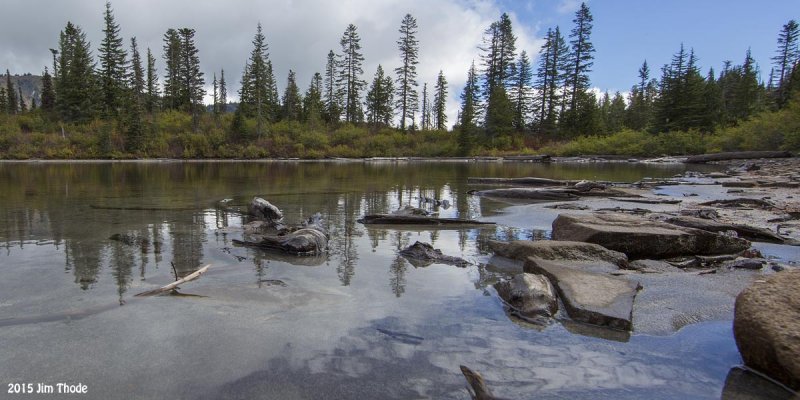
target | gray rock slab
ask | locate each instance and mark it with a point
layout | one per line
(590, 297)
(642, 238)
(587, 256)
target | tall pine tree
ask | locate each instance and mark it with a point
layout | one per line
(349, 79)
(48, 93)
(113, 68)
(76, 86)
(440, 103)
(786, 58)
(11, 95)
(407, 97)
(521, 92)
(292, 102)
(332, 96)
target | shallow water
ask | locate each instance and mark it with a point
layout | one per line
(360, 322)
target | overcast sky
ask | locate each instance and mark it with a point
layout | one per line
(300, 32)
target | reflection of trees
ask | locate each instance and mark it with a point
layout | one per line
(349, 210)
(397, 271)
(121, 263)
(188, 235)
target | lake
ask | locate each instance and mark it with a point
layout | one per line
(360, 322)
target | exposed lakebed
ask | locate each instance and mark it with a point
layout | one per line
(358, 322)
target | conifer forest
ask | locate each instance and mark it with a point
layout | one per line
(117, 100)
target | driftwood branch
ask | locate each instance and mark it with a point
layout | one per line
(167, 288)
(389, 219)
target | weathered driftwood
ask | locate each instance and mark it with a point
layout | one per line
(643, 200)
(309, 240)
(138, 208)
(527, 181)
(264, 210)
(477, 386)
(528, 194)
(389, 219)
(736, 155)
(740, 202)
(174, 285)
(543, 158)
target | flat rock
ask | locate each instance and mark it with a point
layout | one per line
(642, 238)
(590, 297)
(423, 254)
(531, 295)
(766, 326)
(588, 256)
(529, 194)
(748, 232)
(653, 266)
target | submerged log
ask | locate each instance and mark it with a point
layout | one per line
(528, 194)
(643, 200)
(736, 155)
(174, 285)
(477, 387)
(390, 219)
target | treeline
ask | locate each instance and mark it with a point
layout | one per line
(116, 105)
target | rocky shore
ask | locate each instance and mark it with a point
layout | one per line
(659, 254)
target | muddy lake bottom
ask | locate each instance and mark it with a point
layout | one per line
(358, 322)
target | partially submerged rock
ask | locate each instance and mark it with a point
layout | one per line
(766, 326)
(264, 210)
(590, 297)
(588, 255)
(531, 295)
(409, 210)
(642, 238)
(423, 254)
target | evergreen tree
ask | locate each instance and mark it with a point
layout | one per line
(712, 98)
(215, 106)
(349, 79)
(407, 97)
(747, 93)
(223, 93)
(172, 58)
(615, 117)
(151, 103)
(425, 122)
(680, 106)
(549, 78)
(380, 110)
(48, 94)
(258, 83)
(312, 102)
(3, 101)
(499, 48)
(192, 82)
(440, 103)
(641, 101)
(76, 86)
(470, 102)
(580, 59)
(786, 57)
(332, 95)
(22, 106)
(523, 98)
(113, 73)
(469, 112)
(137, 74)
(292, 103)
(11, 95)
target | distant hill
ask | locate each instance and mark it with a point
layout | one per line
(31, 87)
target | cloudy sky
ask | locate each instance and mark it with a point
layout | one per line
(300, 32)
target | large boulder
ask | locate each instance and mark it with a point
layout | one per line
(531, 295)
(590, 297)
(766, 326)
(642, 238)
(588, 256)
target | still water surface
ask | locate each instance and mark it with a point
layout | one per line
(358, 323)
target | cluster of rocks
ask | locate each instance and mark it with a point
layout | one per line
(267, 231)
